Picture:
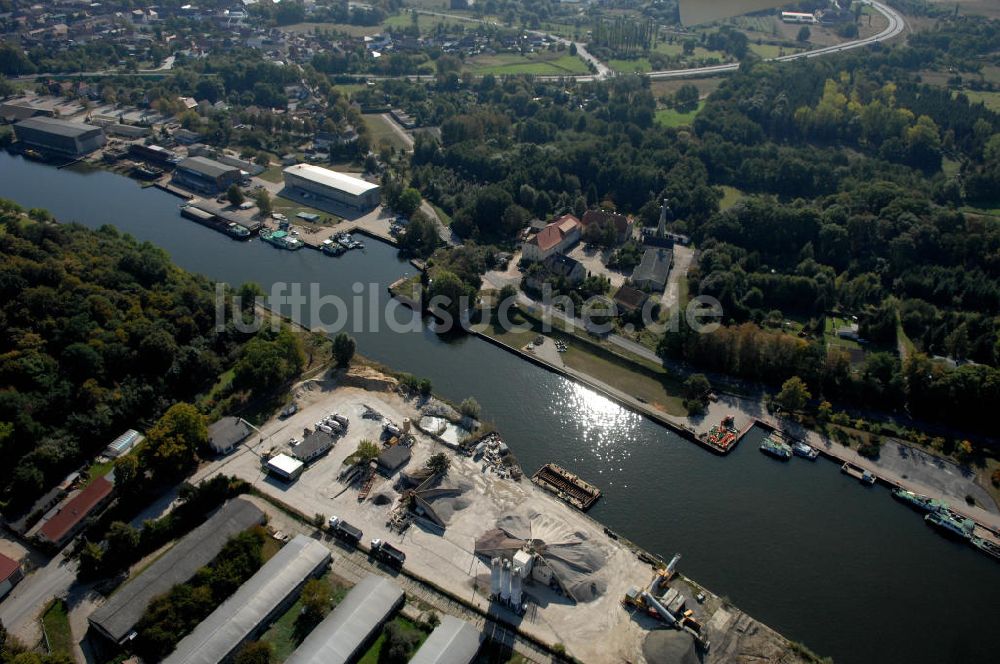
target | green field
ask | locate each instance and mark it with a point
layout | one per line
(539, 64)
(56, 623)
(771, 50)
(426, 23)
(989, 99)
(669, 117)
(382, 132)
(730, 196)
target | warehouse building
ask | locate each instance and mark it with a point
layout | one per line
(343, 634)
(59, 137)
(205, 175)
(308, 181)
(254, 604)
(454, 641)
(117, 618)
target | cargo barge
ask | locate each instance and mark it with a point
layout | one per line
(863, 476)
(918, 501)
(567, 486)
(215, 222)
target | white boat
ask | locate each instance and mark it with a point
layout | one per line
(805, 451)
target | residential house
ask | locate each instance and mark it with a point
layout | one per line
(10, 574)
(553, 267)
(227, 433)
(69, 519)
(629, 300)
(555, 238)
(624, 226)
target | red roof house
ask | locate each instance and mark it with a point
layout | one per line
(69, 519)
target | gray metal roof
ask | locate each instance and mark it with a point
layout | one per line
(235, 621)
(341, 635)
(57, 126)
(454, 641)
(655, 266)
(394, 457)
(124, 609)
(226, 432)
(205, 166)
(313, 444)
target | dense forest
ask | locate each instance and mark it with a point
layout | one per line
(853, 173)
(101, 333)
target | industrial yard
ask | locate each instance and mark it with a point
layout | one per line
(468, 509)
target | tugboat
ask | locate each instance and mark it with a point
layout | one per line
(950, 525)
(237, 231)
(776, 448)
(917, 501)
(805, 451)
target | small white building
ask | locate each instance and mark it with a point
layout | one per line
(285, 467)
(123, 444)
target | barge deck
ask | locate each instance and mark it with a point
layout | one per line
(567, 486)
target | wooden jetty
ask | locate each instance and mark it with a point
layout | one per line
(566, 486)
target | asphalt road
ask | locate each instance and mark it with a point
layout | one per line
(30, 596)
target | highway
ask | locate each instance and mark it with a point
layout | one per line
(897, 24)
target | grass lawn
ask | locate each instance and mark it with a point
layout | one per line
(544, 63)
(771, 50)
(669, 117)
(442, 215)
(291, 208)
(428, 24)
(632, 375)
(272, 174)
(372, 656)
(410, 288)
(98, 470)
(730, 196)
(658, 389)
(287, 632)
(346, 28)
(834, 323)
(989, 99)
(382, 132)
(56, 623)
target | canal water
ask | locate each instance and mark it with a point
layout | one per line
(809, 551)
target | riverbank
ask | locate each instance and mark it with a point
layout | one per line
(747, 413)
(763, 532)
(593, 628)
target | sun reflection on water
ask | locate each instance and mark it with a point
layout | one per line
(605, 430)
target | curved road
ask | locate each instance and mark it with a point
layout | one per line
(897, 24)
